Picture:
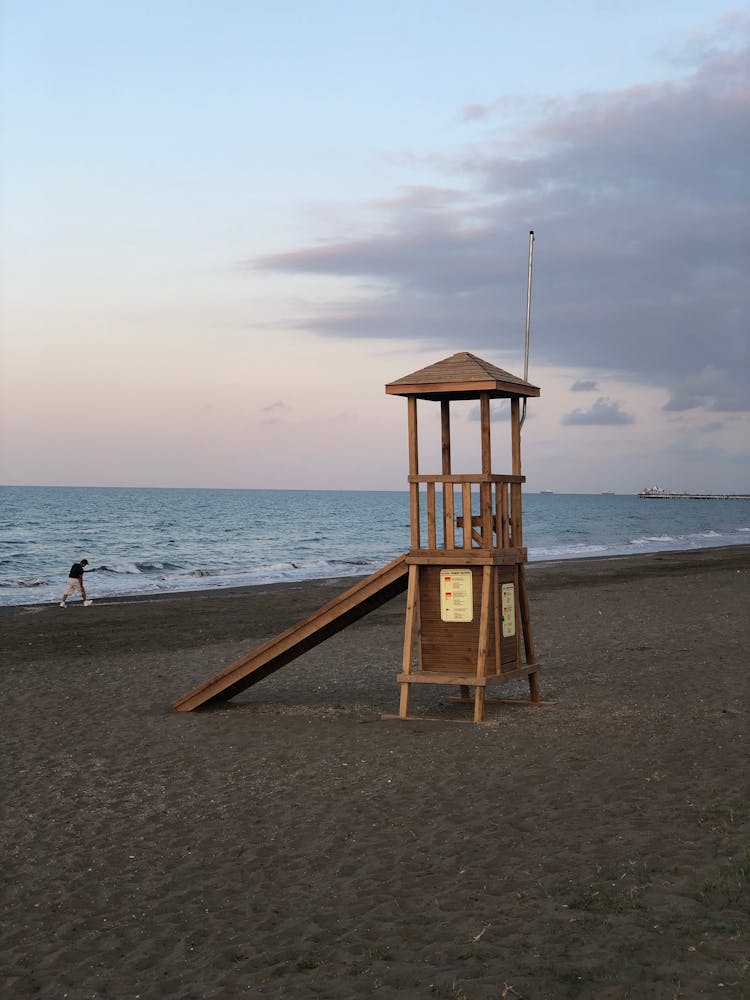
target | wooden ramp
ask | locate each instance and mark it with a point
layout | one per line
(349, 607)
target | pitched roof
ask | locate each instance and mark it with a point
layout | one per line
(461, 376)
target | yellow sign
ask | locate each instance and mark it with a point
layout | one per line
(456, 595)
(508, 597)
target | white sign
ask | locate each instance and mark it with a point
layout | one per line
(508, 596)
(456, 595)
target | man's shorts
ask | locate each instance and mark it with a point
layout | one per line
(73, 584)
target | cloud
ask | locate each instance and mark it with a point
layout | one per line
(499, 412)
(603, 412)
(274, 412)
(584, 385)
(640, 203)
(712, 388)
(275, 408)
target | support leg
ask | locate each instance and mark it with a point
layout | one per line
(403, 707)
(479, 703)
(534, 687)
(411, 608)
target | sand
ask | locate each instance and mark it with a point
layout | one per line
(290, 845)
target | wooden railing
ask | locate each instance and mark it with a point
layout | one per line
(496, 525)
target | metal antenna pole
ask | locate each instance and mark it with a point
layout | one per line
(528, 321)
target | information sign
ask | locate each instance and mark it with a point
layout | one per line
(508, 597)
(456, 595)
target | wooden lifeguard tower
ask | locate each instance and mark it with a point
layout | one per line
(467, 609)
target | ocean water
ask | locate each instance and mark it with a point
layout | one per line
(149, 541)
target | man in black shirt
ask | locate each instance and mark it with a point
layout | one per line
(75, 582)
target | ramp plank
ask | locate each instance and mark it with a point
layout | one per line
(364, 597)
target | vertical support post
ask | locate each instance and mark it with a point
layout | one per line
(484, 641)
(414, 471)
(485, 488)
(498, 622)
(515, 489)
(466, 513)
(503, 508)
(528, 639)
(448, 511)
(411, 609)
(431, 519)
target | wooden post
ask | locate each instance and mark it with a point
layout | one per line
(515, 489)
(485, 488)
(528, 639)
(484, 641)
(431, 521)
(466, 512)
(448, 511)
(414, 471)
(498, 622)
(504, 514)
(411, 607)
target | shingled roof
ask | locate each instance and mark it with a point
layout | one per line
(461, 376)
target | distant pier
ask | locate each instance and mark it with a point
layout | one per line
(656, 493)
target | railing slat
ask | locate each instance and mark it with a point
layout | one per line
(466, 511)
(431, 527)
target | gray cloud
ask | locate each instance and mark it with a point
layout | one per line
(274, 413)
(639, 199)
(275, 408)
(712, 388)
(584, 385)
(603, 412)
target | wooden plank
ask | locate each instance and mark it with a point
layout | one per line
(431, 523)
(505, 543)
(484, 639)
(468, 557)
(485, 490)
(470, 680)
(411, 609)
(460, 390)
(517, 610)
(528, 639)
(484, 423)
(516, 530)
(413, 471)
(466, 510)
(460, 477)
(356, 602)
(438, 677)
(479, 704)
(484, 622)
(515, 437)
(448, 518)
(498, 622)
(445, 436)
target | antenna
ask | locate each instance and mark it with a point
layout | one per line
(528, 321)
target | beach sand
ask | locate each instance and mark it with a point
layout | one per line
(291, 845)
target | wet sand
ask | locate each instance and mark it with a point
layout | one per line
(290, 845)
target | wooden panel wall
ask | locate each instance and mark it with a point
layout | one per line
(452, 647)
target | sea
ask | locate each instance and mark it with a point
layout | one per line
(160, 541)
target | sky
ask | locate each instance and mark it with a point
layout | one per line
(224, 227)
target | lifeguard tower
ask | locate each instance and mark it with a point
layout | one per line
(467, 609)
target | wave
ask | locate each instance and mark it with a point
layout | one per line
(136, 568)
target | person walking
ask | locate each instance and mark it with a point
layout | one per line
(75, 582)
